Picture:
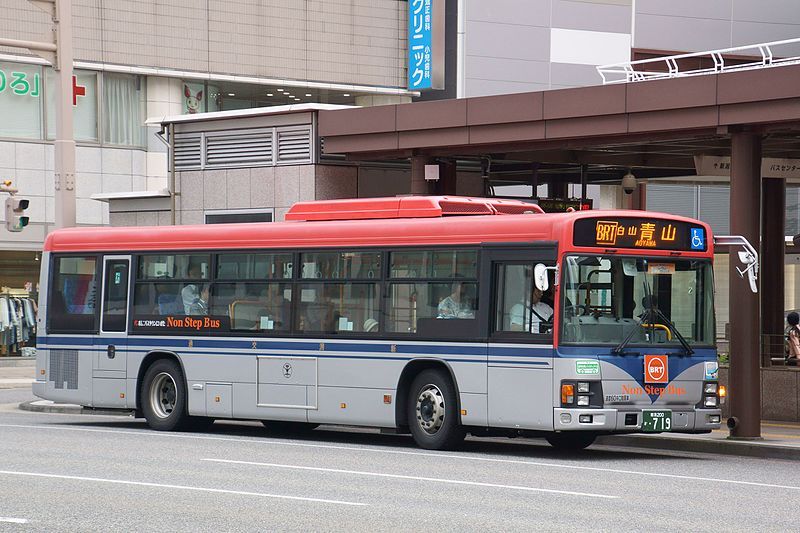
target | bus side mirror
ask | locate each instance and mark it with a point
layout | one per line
(540, 277)
(748, 257)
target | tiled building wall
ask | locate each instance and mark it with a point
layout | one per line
(275, 188)
(696, 26)
(532, 45)
(343, 41)
(29, 165)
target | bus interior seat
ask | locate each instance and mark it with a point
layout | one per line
(170, 304)
(246, 314)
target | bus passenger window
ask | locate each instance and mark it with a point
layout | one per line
(73, 294)
(460, 303)
(338, 308)
(264, 307)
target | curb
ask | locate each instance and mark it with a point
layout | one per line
(760, 449)
(46, 406)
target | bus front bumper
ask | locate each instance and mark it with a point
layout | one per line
(630, 421)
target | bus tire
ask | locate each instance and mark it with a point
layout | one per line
(433, 411)
(164, 397)
(569, 441)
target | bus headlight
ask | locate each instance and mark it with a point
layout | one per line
(583, 400)
(583, 386)
(710, 401)
(710, 388)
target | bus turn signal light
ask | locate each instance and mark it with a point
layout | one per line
(722, 391)
(567, 393)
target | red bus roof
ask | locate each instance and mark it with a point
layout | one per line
(407, 207)
(429, 230)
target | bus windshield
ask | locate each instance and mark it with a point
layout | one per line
(629, 301)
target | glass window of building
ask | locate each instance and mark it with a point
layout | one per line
(123, 109)
(84, 109)
(21, 100)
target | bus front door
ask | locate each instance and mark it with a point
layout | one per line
(520, 362)
(111, 345)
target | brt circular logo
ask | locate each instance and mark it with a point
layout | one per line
(656, 369)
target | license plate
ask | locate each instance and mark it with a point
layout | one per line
(656, 421)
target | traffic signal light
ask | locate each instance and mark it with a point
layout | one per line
(15, 217)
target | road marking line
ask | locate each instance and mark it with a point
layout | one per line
(180, 487)
(259, 440)
(415, 478)
(14, 520)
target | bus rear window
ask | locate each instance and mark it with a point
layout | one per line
(73, 295)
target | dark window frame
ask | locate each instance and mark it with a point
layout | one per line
(51, 290)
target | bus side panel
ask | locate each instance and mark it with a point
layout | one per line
(67, 363)
(40, 379)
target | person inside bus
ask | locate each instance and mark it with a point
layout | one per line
(538, 317)
(458, 304)
(195, 295)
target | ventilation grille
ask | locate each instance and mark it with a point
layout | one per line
(458, 207)
(294, 146)
(286, 145)
(188, 150)
(64, 369)
(239, 149)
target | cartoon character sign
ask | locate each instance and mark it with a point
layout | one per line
(193, 101)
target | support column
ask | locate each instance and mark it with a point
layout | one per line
(773, 249)
(418, 183)
(448, 179)
(745, 371)
(557, 188)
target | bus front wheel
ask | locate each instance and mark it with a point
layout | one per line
(571, 441)
(164, 397)
(433, 411)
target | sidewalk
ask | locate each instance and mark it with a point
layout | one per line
(16, 372)
(780, 440)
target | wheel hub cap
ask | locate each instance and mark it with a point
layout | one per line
(163, 395)
(430, 409)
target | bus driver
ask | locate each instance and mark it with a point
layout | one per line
(538, 312)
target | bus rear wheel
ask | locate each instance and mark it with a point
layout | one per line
(433, 411)
(164, 397)
(571, 441)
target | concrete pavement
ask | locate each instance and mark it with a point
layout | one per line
(780, 440)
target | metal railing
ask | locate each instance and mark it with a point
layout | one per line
(773, 350)
(763, 55)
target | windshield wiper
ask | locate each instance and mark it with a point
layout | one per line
(621, 346)
(674, 329)
(653, 312)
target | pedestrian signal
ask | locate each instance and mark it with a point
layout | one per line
(15, 209)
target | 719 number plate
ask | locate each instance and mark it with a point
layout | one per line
(656, 421)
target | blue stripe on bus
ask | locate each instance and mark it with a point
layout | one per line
(336, 356)
(432, 349)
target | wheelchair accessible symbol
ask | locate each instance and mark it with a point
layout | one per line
(698, 238)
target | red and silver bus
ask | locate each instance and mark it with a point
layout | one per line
(434, 316)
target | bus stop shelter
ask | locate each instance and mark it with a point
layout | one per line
(656, 127)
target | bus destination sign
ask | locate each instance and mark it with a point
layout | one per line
(639, 233)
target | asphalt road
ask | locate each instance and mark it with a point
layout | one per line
(104, 473)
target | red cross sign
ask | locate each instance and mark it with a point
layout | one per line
(77, 90)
